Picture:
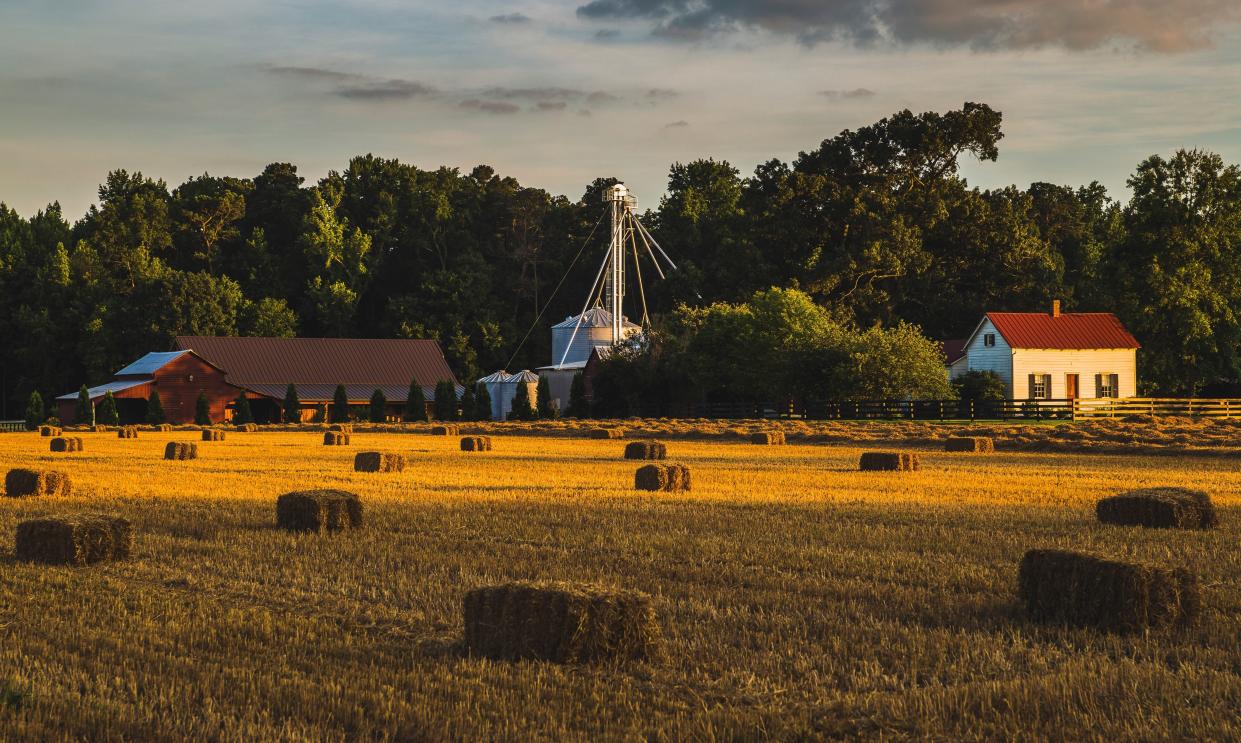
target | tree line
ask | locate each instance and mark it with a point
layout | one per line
(875, 226)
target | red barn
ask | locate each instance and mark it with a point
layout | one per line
(223, 368)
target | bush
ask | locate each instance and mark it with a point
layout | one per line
(543, 400)
(379, 407)
(469, 406)
(445, 401)
(202, 409)
(523, 406)
(579, 406)
(482, 403)
(34, 411)
(107, 414)
(340, 405)
(155, 408)
(291, 408)
(415, 404)
(241, 410)
(980, 385)
(84, 414)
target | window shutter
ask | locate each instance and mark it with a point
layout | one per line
(1115, 385)
(1031, 395)
(1047, 386)
(1098, 385)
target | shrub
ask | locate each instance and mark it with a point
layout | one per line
(482, 404)
(980, 385)
(340, 405)
(379, 407)
(475, 443)
(523, 406)
(66, 444)
(155, 408)
(445, 401)
(662, 477)
(889, 461)
(84, 414)
(374, 461)
(241, 410)
(34, 411)
(319, 511)
(291, 408)
(646, 450)
(971, 444)
(180, 450)
(21, 483)
(1083, 590)
(1160, 508)
(74, 540)
(202, 409)
(415, 404)
(579, 406)
(469, 406)
(560, 623)
(107, 413)
(543, 400)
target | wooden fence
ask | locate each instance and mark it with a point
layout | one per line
(12, 425)
(1038, 410)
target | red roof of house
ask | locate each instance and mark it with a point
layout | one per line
(1069, 330)
(954, 349)
(374, 362)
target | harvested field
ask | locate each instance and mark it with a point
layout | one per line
(798, 598)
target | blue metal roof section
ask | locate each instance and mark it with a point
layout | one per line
(103, 389)
(149, 364)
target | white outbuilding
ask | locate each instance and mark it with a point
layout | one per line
(502, 388)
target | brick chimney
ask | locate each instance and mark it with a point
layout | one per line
(1055, 308)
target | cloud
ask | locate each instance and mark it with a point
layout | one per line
(312, 74)
(511, 18)
(607, 34)
(500, 108)
(551, 105)
(1151, 25)
(533, 94)
(600, 96)
(662, 94)
(848, 94)
(677, 124)
(385, 90)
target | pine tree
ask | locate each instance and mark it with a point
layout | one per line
(415, 404)
(543, 394)
(84, 415)
(482, 404)
(34, 411)
(445, 401)
(340, 405)
(467, 403)
(523, 407)
(292, 412)
(379, 406)
(241, 408)
(202, 409)
(579, 406)
(107, 413)
(155, 408)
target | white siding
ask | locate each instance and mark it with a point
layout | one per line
(958, 367)
(997, 358)
(1085, 363)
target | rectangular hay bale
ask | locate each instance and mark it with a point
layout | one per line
(247, 427)
(970, 444)
(446, 429)
(607, 433)
(475, 443)
(374, 461)
(213, 434)
(180, 450)
(1075, 589)
(768, 438)
(561, 623)
(127, 432)
(21, 482)
(889, 461)
(47, 431)
(319, 510)
(1159, 508)
(74, 540)
(341, 427)
(646, 450)
(335, 438)
(66, 444)
(669, 478)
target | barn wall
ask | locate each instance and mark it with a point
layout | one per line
(179, 383)
(997, 358)
(1085, 363)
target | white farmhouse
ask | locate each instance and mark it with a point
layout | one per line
(1060, 356)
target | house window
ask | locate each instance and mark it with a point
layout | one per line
(1040, 386)
(1107, 385)
(988, 339)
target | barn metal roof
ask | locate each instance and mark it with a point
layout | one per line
(596, 317)
(103, 389)
(357, 393)
(1071, 330)
(368, 362)
(151, 363)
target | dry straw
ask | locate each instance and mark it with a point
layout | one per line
(319, 510)
(475, 443)
(47, 431)
(662, 477)
(163, 427)
(98, 428)
(607, 433)
(561, 623)
(21, 482)
(970, 444)
(889, 461)
(335, 438)
(447, 429)
(247, 427)
(127, 432)
(181, 450)
(653, 450)
(374, 461)
(1161, 508)
(74, 540)
(341, 427)
(66, 444)
(213, 434)
(1082, 590)
(768, 438)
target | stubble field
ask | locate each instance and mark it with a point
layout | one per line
(799, 597)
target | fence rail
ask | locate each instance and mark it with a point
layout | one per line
(12, 425)
(1079, 409)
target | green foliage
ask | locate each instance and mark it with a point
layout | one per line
(35, 412)
(415, 404)
(241, 410)
(202, 409)
(482, 403)
(155, 408)
(340, 405)
(579, 406)
(107, 413)
(445, 401)
(84, 413)
(291, 408)
(523, 406)
(379, 406)
(268, 318)
(897, 363)
(980, 385)
(543, 397)
(469, 405)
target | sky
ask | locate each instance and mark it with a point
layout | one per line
(559, 93)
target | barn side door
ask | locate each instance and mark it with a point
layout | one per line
(1070, 386)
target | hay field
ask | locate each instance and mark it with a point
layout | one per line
(800, 599)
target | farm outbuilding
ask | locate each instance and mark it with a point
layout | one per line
(223, 368)
(502, 388)
(1060, 356)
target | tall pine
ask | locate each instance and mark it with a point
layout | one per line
(84, 415)
(340, 405)
(415, 404)
(523, 406)
(579, 406)
(467, 403)
(241, 408)
(107, 413)
(292, 408)
(34, 411)
(155, 408)
(543, 396)
(379, 406)
(445, 401)
(202, 409)
(482, 404)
